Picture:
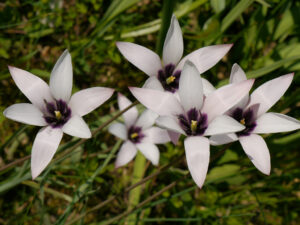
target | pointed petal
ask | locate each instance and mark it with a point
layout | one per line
(77, 127)
(169, 123)
(206, 57)
(155, 135)
(150, 151)
(257, 150)
(274, 123)
(223, 124)
(174, 136)
(153, 83)
(163, 103)
(146, 119)
(190, 87)
(85, 101)
(221, 100)
(130, 115)
(143, 58)
(61, 79)
(207, 87)
(126, 154)
(173, 45)
(119, 130)
(44, 148)
(270, 92)
(34, 88)
(222, 139)
(197, 157)
(237, 74)
(25, 113)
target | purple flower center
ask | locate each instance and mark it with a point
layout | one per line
(168, 78)
(57, 113)
(194, 123)
(135, 134)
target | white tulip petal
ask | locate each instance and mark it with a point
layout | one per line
(153, 83)
(169, 123)
(190, 87)
(130, 115)
(207, 87)
(34, 88)
(173, 45)
(257, 150)
(85, 101)
(274, 123)
(150, 151)
(174, 136)
(146, 119)
(237, 74)
(44, 148)
(126, 154)
(206, 57)
(270, 92)
(155, 135)
(25, 113)
(77, 127)
(222, 139)
(143, 58)
(119, 130)
(197, 157)
(61, 79)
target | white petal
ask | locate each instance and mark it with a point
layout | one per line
(44, 148)
(143, 58)
(207, 87)
(146, 119)
(223, 139)
(257, 150)
(169, 123)
(270, 92)
(77, 127)
(163, 103)
(197, 157)
(223, 124)
(206, 57)
(221, 100)
(274, 123)
(155, 135)
(85, 101)
(130, 115)
(237, 74)
(119, 130)
(126, 154)
(34, 88)
(61, 79)
(25, 113)
(174, 136)
(190, 87)
(153, 83)
(150, 151)
(173, 45)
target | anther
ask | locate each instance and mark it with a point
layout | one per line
(58, 114)
(134, 135)
(194, 124)
(170, 79)
(242, 121)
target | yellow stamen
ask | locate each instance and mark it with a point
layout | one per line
(243, 121)
(194, 125)
(58, 115)
(134, 135)
(170, 79)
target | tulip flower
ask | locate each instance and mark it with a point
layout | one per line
(54, 108)
(194, 115)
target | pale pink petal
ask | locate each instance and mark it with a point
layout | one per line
(85, 101)
(153, 83)
(206, 57)
(197, 157)
(174, 136)
(270, 92)
(126, 154)
(237, 74)
(257, 150)
(223, 139)
(274, 123)
(163, 103)
(143, 58)
(207, 87)
(146, 119)
(130, 115)
(44, 148)
(155, 135)
(77, 127)
(119, 130)
(190, 87)
(173, 45)
(61, 79)
(25, 113)
(221, 100)
(150, 151)
(34, 88)
(169, 123)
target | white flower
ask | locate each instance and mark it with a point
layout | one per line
(53, 107)
(194, 115)
(138, 133)
(165, 75)
(252, 112)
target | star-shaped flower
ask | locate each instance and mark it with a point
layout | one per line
(252, 113)
(54, 108)
(194, 115)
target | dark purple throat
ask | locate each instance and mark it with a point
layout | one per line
(169, 78)
(135, 134)
(57, 113)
